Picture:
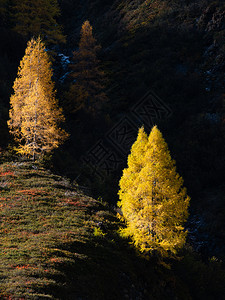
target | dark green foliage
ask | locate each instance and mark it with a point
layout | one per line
(9, 59)
(159, 46)
(87, 88)
(38, 18)
(204, 280)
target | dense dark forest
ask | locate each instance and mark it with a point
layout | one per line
(155, 62)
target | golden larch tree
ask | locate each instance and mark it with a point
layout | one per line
(34, 113)
(153, 200)
(87, 90)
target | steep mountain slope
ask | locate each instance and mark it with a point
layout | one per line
(172, 47)
(175, 49)
(57, 243)
(47, 232)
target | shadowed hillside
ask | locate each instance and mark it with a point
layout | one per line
(57, 243)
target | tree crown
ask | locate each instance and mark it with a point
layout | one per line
(153, 200)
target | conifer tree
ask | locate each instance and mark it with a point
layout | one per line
(3, 11)
(34, 114)
(38, 18)
(87, 90)
(153, 200)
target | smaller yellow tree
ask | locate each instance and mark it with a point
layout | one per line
(153, 200)
(34, 114)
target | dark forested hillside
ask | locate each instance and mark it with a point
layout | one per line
(150, 62)
(174, 49)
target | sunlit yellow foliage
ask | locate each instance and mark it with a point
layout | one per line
(34, 114)
(153, 200)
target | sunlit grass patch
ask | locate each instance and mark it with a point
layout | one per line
(40, 222)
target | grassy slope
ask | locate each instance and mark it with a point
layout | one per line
(44, 223)
(56, 243)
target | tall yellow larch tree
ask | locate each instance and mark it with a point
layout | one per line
(34, 113)
(87, 89)
(153, 200)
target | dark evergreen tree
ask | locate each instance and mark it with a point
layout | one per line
(87, 89)
(38, 18)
